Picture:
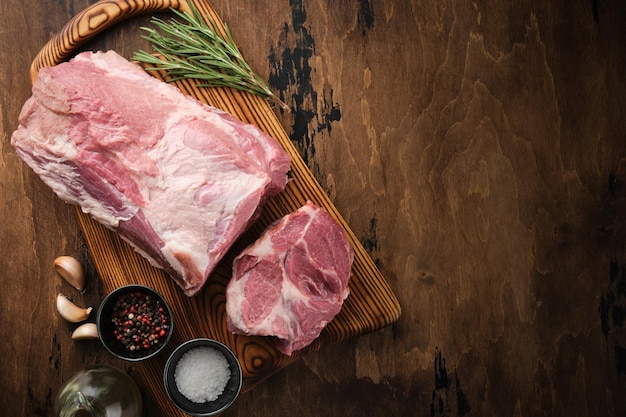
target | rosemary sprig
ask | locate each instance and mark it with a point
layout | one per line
(193, 48)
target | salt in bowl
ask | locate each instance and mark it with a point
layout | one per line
(206, 371)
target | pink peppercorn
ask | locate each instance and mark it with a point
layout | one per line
(139, 321)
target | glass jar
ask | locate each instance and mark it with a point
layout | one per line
(99, 391)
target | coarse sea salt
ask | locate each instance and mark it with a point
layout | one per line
(202, 374)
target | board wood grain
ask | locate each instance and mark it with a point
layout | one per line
(371, 304)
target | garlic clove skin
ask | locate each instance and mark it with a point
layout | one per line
(71, 270)
(85, 331)
(70, 311)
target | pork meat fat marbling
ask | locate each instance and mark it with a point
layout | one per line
(177, 179)
(292, 281)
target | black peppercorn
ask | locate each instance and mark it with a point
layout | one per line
(139, 321)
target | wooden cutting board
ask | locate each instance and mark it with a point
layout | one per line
(371, 304)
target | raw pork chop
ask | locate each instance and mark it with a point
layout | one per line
(292, 281)
(177, 179)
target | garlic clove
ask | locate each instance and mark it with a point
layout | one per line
(70, 311)
(85, 331)
(71, 270)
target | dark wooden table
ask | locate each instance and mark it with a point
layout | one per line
(477, 150)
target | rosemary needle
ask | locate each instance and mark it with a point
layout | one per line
(193, 48)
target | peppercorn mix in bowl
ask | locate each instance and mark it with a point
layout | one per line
(202, 377)
(134, 322)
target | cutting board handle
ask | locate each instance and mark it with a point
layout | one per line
(92, 21)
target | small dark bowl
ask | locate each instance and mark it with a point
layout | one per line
(106, 327)
(210, 408)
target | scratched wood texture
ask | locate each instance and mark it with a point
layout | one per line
(477, 151)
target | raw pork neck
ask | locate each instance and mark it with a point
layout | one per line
(292, 281)
(177, 179)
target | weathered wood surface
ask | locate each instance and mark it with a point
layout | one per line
(476, 150)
